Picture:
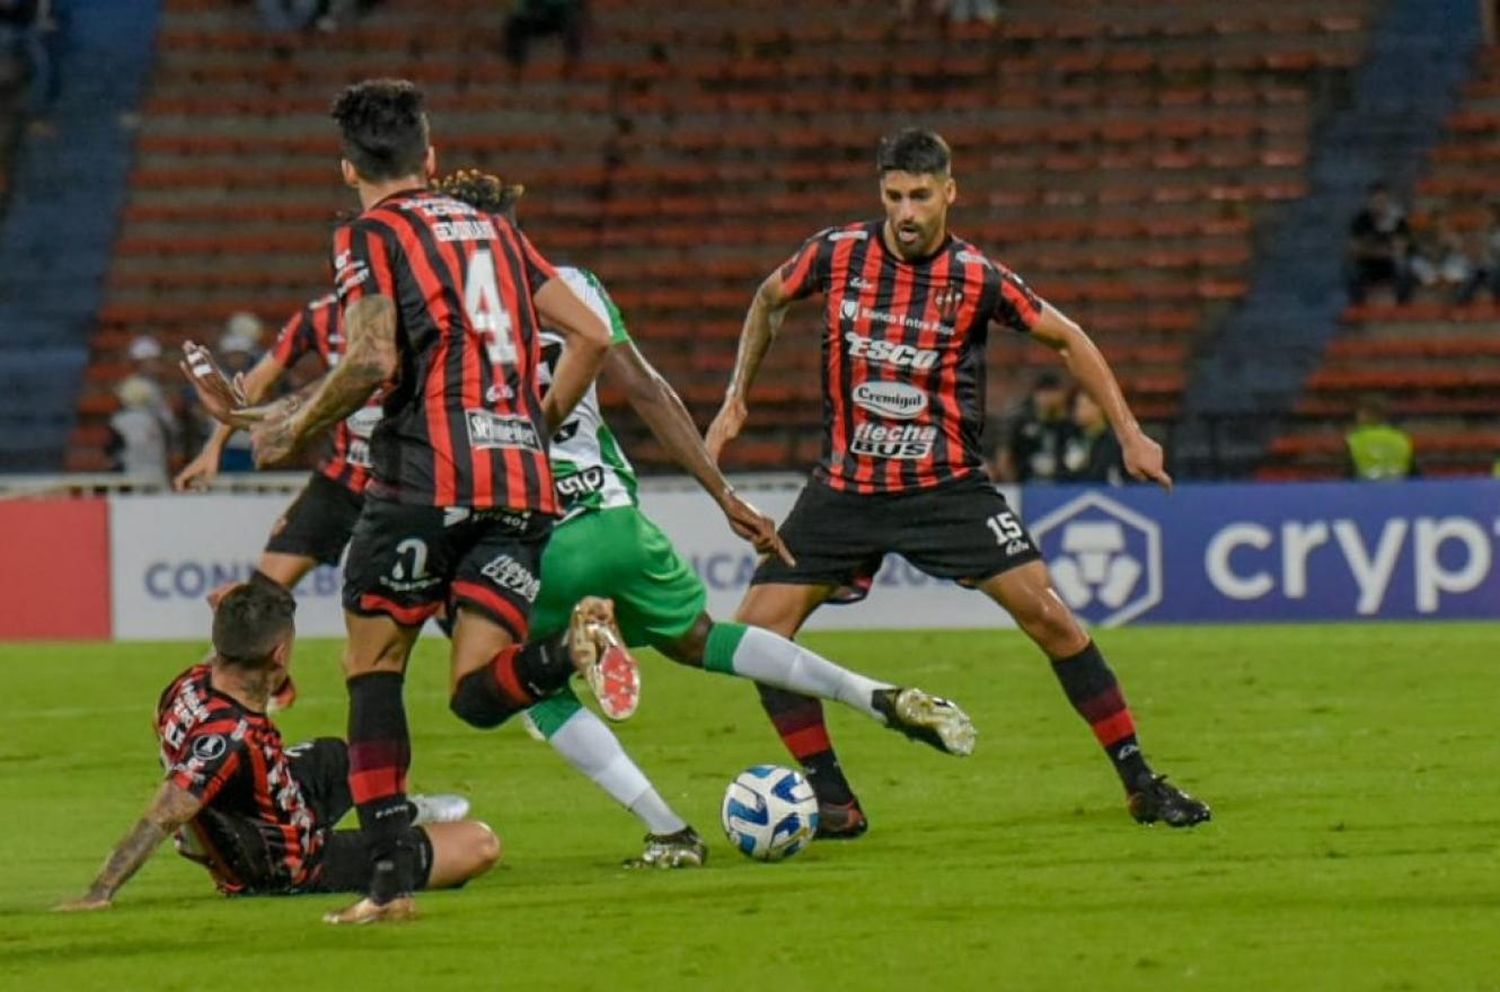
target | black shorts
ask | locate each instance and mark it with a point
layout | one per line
(963, 531)
(342, 861)
(407, 562)
(318, 523)
(342, 864)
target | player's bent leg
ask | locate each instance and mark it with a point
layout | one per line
(490, 684)
(587, 743)
(460, 851)
(286, 569)
(1092, 689)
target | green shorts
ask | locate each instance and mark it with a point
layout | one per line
(621, 554)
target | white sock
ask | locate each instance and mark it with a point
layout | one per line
(592, 748)
(770, 658)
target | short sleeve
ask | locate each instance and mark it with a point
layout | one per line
(208, 761)
(806, 271)
(539, 271)
(298, 336)
(597, 299)
(362, 261)
(1016, 306)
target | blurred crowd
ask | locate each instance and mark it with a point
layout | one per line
(1429, 257)
(1057, 434)
(160, 425)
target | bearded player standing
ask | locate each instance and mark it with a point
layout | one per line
(907, 311)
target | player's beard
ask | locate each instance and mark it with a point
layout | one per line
(924, 240)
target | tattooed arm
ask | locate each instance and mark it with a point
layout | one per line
(371, 358)
(172, 807)
(762, 323)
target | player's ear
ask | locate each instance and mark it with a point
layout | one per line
(281, 656)
(950, 191)
(351, 175)
(431, 162)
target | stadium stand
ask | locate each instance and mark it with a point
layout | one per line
(1437, 362)
(68, 185)
(1122, 161)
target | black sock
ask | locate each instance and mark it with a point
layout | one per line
(545, 666)
(799, 721)
(512, 681)
(1094, 691)
(379, 755)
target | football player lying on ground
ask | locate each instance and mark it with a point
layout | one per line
(258, 816)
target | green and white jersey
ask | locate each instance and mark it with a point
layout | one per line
(590, 470)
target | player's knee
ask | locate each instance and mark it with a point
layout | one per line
(486, 848)
(1053, 627)
(476, 703)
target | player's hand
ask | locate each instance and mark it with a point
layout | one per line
(224, 400)
(1144, 460)
(88, 903)
(198, 473)
(754, 526)
(726, 426)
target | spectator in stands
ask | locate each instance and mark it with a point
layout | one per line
(137, 434)
(1091, 453)
(1378, 450)
(169, 401)
(33, 30)
(532, 19)
(1487, 272)
(963, 11)
(245, 327)
(957, 11)
(1380, 247)
(1039, 434)
(1441, 261)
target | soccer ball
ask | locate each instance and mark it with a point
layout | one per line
(770, 813)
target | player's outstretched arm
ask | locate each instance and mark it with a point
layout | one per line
(762, 323)
(202, 470)
(370, 359)
(587, 345)
(654, 400)
(1085, 362)
(172, 807)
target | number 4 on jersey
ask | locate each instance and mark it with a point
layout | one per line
(487, 313)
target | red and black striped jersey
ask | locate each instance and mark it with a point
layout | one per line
(318, 329)
(463, 423)
(903, 355)
(232, 760)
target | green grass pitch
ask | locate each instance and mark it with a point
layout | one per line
(1352, 770)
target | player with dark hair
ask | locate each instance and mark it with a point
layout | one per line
(908, 308)
(605, 545)
(441, 304)
(258, 816)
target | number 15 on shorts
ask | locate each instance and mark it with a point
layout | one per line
(1005, 527)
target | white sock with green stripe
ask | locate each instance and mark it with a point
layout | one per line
(755, 653)
(592, 748)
